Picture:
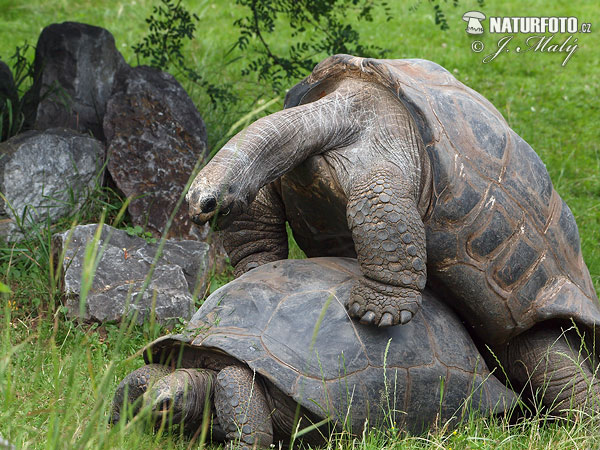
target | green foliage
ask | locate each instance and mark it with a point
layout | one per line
(139, 231)
(294, 251)
(440, 16)
(4, 289)
(220, 279)
(170, 26)
(319, 28)
(13, 99)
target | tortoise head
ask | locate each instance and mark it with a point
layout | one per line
(180, 396)
(269, 148)
(221, 191)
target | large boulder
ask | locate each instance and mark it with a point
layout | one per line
(125, 261)
(8, 99)
(80, 61)
(155, 137)
(45, 175)
(7, 84)
(166, 89)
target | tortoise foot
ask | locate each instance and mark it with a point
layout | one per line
(374, 303)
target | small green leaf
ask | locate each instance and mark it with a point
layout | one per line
(4, 289)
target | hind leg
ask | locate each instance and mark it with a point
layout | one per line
(554, 366)
(242, 409)
(134, 386)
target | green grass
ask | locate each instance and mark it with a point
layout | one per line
(56, 377)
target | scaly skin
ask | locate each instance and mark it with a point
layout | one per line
(242, 409)
(180, 396)
(237, 397)
(389, 237)
(258, 235)
(348, 130)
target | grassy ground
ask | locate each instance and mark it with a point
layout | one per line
(56, 377)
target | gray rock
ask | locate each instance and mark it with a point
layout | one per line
(83, 61)
(124, 264)
(164, 86)
(45, 175)
(155, 137)
(4, 444)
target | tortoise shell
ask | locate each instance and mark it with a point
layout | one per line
(500, 240)
(287, 320)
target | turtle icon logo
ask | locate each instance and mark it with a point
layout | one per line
(473, 19)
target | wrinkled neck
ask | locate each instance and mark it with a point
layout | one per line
(277, 143)
(199, 394)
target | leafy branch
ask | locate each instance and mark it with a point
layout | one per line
(170, 27)
(440, 16)
(319, 28)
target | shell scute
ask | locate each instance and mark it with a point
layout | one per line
(252, 309)
(493, 235)
(523, 298)
(527, 181)
(319, 316)
(522, 257)
(386, 399)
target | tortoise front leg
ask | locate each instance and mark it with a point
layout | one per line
(389, 237)
(242, 409)
(258, 236)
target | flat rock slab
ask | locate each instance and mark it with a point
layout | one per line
(155, 138)
(45, 174)
(124, 264)
(82, 61)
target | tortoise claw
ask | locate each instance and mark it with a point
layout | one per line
(354, 309)
(368, 318)
(386, 320)
(405, 316)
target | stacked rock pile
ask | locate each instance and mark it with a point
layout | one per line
(93, 119)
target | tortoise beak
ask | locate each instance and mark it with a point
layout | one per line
(163, 402)
(206, 203)
(208, 209)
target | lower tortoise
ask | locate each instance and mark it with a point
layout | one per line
(280, 336)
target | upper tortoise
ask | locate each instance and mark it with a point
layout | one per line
(420, 177)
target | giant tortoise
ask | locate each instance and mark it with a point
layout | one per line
(280, 336)
(420, 177)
